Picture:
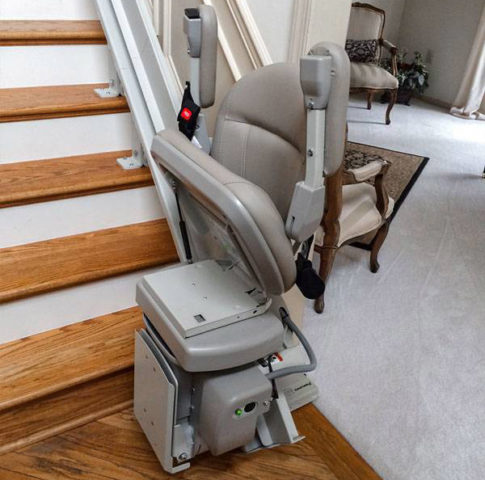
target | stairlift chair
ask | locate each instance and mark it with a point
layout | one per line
(219, 365)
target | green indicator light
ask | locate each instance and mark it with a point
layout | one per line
(238, 412)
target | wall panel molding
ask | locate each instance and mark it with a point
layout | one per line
(315, 21)
(300, 29)
(239, 36)
(250, 32)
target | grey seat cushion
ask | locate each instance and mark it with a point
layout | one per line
(366, 75)
(262, 237)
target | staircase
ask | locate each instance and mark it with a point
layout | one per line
(76, 230)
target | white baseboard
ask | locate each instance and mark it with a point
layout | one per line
(435, 101)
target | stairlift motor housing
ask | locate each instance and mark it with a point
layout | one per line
(217, 366)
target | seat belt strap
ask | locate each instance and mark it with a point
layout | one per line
(189, 113)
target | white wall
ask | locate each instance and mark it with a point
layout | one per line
(274, 18)
(394, 11)
(446, 29)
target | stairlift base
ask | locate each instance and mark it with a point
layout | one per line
(187, 404)
(162, 398)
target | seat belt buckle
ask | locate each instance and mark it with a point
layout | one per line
(189, 114)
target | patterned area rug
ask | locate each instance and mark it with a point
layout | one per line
(402, 174)
(400, 178)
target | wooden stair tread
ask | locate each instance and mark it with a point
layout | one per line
(115, 448)
(63, 262)
(64, 410)
(38, 181)
(35, 103)
(62, 358)
(50, 32)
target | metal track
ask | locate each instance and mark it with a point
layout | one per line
(148, 84)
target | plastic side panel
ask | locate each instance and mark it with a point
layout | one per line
(155, 400)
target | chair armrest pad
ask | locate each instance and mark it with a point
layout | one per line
(372, 169)
(389, 46)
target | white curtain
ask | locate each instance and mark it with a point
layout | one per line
(470, 101)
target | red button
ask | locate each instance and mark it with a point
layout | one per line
(186, 114)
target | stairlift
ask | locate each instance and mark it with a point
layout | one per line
(220, 364)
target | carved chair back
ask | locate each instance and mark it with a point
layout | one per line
(367, 23)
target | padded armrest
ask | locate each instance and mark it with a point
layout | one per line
(389, 46)
(208, 56)
(372, 169)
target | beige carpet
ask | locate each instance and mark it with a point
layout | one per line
(401, 354)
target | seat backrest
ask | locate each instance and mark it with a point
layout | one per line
(366, 23)
(261, 131)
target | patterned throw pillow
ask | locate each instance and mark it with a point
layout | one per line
(364, 51)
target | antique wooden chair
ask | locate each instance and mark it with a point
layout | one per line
(364, 46)
(355, 211)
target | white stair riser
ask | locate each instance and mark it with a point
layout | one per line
(48, 10)
(63, 137)
(54, 65)
(61, 218)
(41, 313)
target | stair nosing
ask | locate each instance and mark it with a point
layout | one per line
(45, 170)
(61, 335)
(48, 252)
(50, 36)
(93, 105)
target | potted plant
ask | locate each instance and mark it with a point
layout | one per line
(413, 77)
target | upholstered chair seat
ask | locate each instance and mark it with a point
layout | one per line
(368, 75)
(365, 44)
(359, 214)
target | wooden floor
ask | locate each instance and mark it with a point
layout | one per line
(114, 448)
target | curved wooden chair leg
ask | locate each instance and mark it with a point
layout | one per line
(327, 256)
(370, 98)
(376, 246)
(392, 102)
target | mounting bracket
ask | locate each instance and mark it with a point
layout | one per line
(137, 158)
(115, 89)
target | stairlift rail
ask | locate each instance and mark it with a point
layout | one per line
(149, 85)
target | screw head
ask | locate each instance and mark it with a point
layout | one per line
(183, 456)
(310, 152)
